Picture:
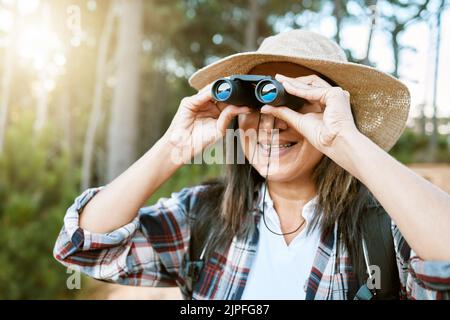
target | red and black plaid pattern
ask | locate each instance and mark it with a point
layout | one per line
(149, 251)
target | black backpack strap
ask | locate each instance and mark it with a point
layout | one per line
(380, 252)
(193, 264)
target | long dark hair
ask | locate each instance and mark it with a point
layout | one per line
(224, 208)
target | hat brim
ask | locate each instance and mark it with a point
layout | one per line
(380, 103)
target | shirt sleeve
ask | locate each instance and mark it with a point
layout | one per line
(420, 279)
(146, 252)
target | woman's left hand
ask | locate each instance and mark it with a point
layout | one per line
(320, 128)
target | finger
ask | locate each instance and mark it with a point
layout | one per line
(198, 101)
(291, 117)
(323, 95)
(228, 114)
(211, 112)
(212, 109)
(221, 105)
(313, 80)
(303, 91)
(302, 123)
(205, 88)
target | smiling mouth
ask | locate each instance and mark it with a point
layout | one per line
(266, 146)
(267, 150)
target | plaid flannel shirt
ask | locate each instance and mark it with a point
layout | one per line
(149, 251)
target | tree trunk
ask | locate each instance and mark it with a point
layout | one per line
(251, 31)
(396, 49)
(122, 131)
(434, 134)
(97, 103)
(337, 12)
(41, 109)
(152, 119)
(373, 21)
(43, 94)
(5, 89)
(5, 94)
(65, 121)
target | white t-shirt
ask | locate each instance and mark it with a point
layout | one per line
(280, 271)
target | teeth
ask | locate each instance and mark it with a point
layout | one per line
(287, 145)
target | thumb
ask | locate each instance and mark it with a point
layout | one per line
(291, 117)
(227, 114)
(306, 124)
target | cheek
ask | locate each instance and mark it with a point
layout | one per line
(248, 125)
(309, 156)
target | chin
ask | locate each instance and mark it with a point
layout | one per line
(287, 168)
(279, 173)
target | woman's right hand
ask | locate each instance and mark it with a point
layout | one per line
(199, 122)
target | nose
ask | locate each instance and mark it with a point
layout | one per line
(266, 123)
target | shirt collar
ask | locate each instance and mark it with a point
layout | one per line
(308, 210)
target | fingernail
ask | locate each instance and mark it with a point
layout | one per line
(265, 108)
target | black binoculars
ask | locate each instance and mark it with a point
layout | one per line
(254, 91)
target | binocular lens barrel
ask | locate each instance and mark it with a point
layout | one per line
(266, 92)
(253, 91)
(233, 92)
(223, 90)
(270, 91)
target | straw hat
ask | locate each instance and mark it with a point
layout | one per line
(380, 102)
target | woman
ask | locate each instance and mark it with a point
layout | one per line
(288, 231)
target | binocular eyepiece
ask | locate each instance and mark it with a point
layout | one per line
(253, 91)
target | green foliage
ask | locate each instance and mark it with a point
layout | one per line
(413, 147)
(37, 182)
